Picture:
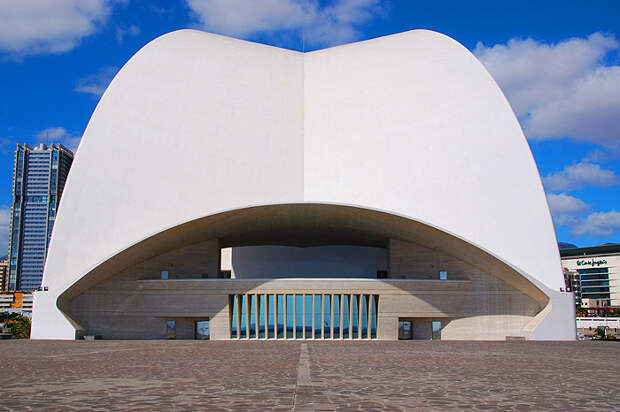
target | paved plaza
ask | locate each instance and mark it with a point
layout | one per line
(202, 375)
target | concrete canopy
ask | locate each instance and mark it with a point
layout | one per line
(196, 125)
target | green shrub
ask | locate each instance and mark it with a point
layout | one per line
(20, 327)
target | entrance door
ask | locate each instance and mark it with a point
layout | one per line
(201, 329)
(405, 330)
(436, 325)
(171, 329)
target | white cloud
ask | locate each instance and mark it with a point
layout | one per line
(578, 176)
(563, 203)
(599, 224)
(560, 90)
(572, 212)
(6, 145)
(5, 217)
(41, 26)
(96, 84)
(566, 210)
(60, 135)
(121, 33)
(321, 25)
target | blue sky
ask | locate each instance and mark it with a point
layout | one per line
(558, 63)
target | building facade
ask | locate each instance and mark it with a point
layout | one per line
(586, 327)
(16, 302)
(593, 275)
(4, 274)
(39, 178)
(365, 191)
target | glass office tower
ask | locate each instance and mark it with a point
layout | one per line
(39, 176)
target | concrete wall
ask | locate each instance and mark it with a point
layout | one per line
(201, 260)
(412, 261)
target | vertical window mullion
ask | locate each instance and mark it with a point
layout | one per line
(331, 316)
(313, 316)
(341, 300)
(359, 314)
(295, 316)
(239, 304)
(303, 316)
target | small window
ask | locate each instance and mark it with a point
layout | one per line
(171, 329)
(443, 275)
(164, 274)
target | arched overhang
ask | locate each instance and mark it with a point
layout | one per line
(302, 224)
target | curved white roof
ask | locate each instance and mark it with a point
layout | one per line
(196, 124)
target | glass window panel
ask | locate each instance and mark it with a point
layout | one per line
(436, 329)
(244, 308)
(270, 321)
(233, 327)
(405, 330)
(355, 318)
(252, 313)
(280, 316)
(345, 316)
(364, 309)
(309, 315)
(373, 326)
(336, 316)
(261, 316)
(289, 316)
(327, 319)
(318, 323)
(299, 316)
(201, 330)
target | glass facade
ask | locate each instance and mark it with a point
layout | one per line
(271, 320)
(594, 284)
(261, 316)
(303, 316)
(308, 316)
(39, 176)
(290, 316)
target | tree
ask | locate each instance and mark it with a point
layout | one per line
(581, 312)
(600, 332)
(19, 326)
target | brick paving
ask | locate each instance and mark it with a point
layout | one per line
(201, 375)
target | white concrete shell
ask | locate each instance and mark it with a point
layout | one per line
(197, 124)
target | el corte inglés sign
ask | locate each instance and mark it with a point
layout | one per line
(592, 262)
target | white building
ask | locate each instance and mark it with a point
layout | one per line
(595, 276)
(375, 190)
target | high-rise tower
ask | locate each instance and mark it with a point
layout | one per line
(39, 176)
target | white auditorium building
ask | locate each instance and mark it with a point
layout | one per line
(379, 190)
